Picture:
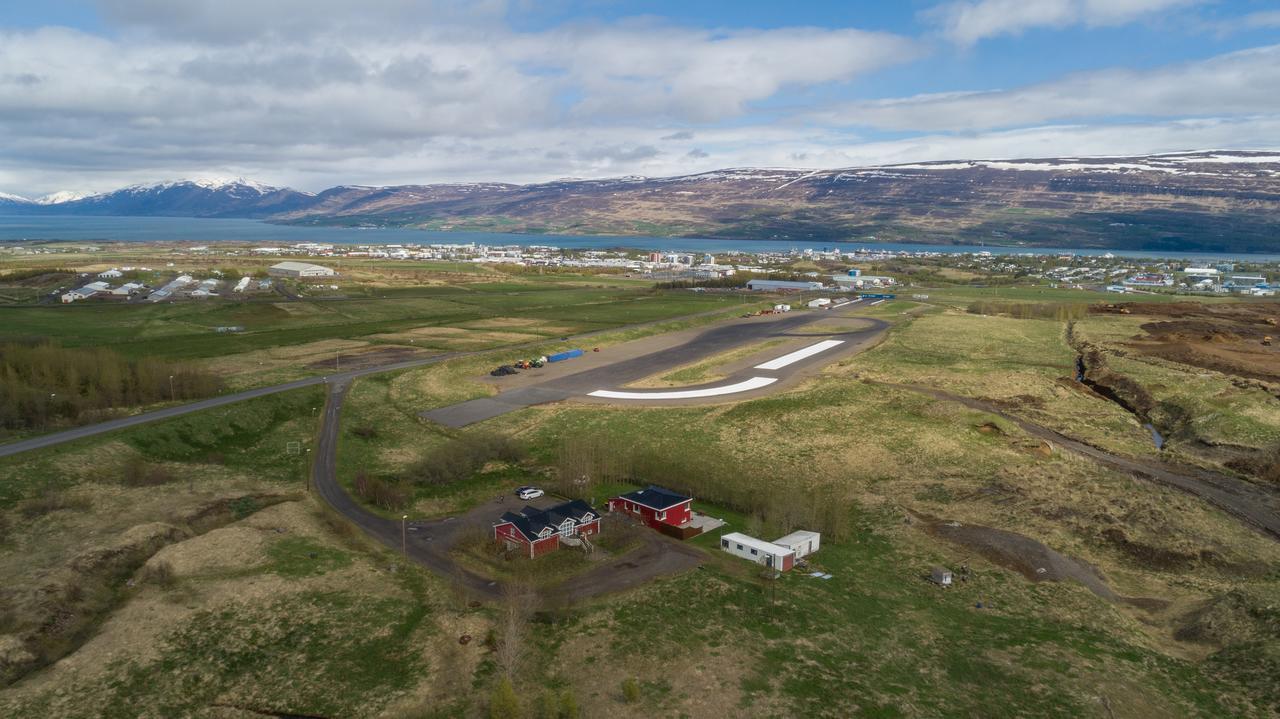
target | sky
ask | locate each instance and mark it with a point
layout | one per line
(99, 94)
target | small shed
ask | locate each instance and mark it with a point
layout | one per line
(940, 576)
(759, 551)
(802, 542)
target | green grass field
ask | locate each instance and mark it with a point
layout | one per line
(285, 612)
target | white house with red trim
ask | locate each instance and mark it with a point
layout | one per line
(538, 531)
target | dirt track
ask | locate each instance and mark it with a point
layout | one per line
(1256, 505)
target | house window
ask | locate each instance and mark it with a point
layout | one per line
(724, 543)
(739, 547)
(662, 515)
(754, 552)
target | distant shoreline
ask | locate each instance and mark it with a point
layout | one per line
(17, 229)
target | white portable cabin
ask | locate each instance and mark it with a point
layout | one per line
(782, 308)
(759, 551)
(802, 542)
(940, 576)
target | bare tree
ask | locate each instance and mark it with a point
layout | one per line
(518, 603)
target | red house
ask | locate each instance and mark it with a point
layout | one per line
(655, 506)
(538, 531)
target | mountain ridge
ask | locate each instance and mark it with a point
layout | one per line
(1195, 200)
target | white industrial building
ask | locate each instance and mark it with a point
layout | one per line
(802, 542)
(85, 292)
(300, 269)
(819, 303)
(128, 288)
(111, 274)
(771, 555)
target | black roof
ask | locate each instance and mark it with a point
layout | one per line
(656, 497)
(531, 520)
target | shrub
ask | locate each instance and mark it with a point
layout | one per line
(243, 507)
(365, 432)
(458, 459)
(547, 706)
(159, 574)
(51, 501)
(569, 705)
(630, 690)
(504, 704)
(137, 472)
(390, 496)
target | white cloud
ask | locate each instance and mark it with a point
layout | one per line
(969, 21)
(1239, 83)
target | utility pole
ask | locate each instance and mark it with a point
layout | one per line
(337, 359)
(173, 396)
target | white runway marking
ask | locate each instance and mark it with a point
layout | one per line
(743, 386)
(873, 304)
(799, 354)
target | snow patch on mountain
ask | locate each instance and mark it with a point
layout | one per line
(6, 197)
(57, 198)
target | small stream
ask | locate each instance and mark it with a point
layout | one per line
(1155, 435)
(1108, 393)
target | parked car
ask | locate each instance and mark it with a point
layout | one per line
(527, 493)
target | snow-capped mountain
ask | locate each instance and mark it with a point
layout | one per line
(57, 198)
(1215, 200)
(236, 197)
(6, 199)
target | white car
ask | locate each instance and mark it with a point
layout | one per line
(529, 493)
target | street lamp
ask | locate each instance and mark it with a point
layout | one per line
(404, 537)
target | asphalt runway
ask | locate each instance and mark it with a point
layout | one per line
(708, 343)
(340, 378)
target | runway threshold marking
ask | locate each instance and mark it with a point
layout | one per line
(793, 357)
(873, 304)
(743, 386)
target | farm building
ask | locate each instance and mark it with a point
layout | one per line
(802, 542)
(655, 506)
(538, 531)
(300, 269)
(771, 555)
(776, 285)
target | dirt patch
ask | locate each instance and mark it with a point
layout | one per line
(366, 358)
(1024, 555)
(1224, 337)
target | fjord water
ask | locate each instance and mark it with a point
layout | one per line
(27, 228)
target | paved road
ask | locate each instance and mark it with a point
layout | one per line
(429, 543)
(340, 377)
(1252, 503)
(708, 343)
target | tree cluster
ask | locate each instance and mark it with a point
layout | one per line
(42, 383)
(1060, 311)
(781, 499)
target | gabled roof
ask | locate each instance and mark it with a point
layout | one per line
(656, 498)
(533, 522)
